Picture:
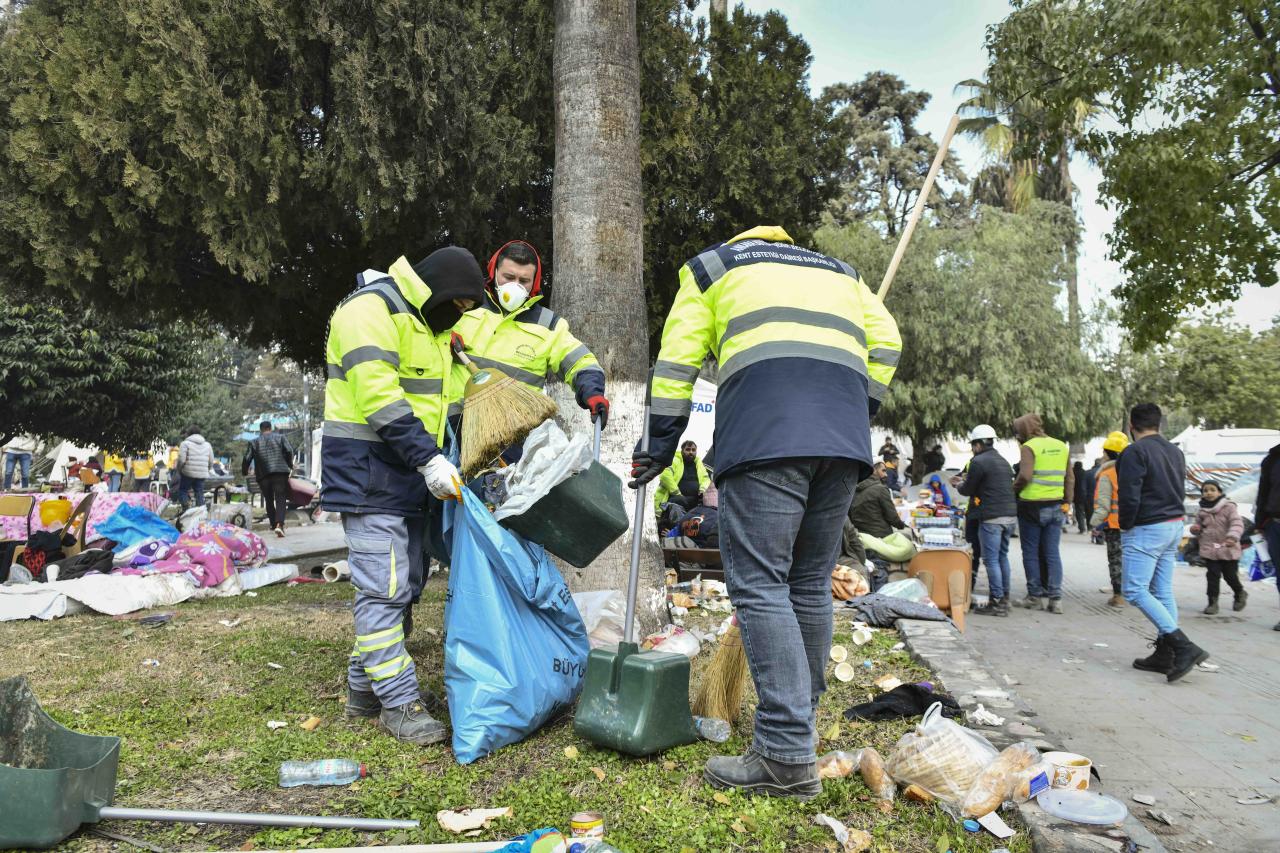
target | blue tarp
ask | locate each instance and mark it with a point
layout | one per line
(131, 524)
(515, 645)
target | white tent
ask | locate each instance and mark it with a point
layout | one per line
(62, 456)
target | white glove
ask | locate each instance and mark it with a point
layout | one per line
(443, 479)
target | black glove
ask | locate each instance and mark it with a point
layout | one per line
(644, 468)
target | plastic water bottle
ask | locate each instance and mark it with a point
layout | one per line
(330, 771)
(716, 731)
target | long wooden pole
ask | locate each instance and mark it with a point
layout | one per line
(919, 208)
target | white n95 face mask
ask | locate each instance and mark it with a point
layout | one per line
(511, 295)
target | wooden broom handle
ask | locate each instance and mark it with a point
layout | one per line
(919, 208)
(459, 352)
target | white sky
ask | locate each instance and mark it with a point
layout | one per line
(932, 45)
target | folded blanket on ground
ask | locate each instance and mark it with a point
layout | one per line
(884, 610)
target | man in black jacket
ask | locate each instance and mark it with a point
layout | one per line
(1152, 473)
(872, 511)
(989, 486)
(272, 460)
(1267, 510)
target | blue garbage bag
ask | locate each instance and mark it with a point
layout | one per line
(515, 647)
(131, 524)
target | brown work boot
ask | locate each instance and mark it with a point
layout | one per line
(1116, 600)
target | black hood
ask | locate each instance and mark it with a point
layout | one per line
(451, 273)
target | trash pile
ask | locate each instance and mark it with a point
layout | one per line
(944, 762)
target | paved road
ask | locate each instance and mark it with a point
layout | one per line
(1197, 745)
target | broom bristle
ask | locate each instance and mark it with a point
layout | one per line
(496, 415)
(720, 694)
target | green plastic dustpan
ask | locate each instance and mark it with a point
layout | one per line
(52, 780)
(635, 702)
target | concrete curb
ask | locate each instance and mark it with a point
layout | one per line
(971, 680)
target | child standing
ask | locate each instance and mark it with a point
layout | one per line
(1219, 526)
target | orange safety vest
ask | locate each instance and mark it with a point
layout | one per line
(1113, 517)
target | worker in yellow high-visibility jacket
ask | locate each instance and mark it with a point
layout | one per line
(805, 354)
(390, 379)
(512, 332)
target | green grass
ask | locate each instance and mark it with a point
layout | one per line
(195, 736)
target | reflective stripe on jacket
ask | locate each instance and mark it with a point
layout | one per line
(1048, 479)
(1106, 498)
(669, 482)
(386, 397)
(528, 345)
(805, 352)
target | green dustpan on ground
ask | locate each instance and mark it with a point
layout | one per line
(632, 701)
(53, 779)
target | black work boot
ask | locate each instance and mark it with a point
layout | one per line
(1213, 606)
(362, 703)
(412, 724)
(1186, 655)
(995, 607)
(754, 774)
(1241, 598)
(1158, 661)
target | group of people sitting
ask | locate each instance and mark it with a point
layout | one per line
(686, 501)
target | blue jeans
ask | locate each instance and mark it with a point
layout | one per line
(190, 485)
(995, 553)
(1047, 527)
(21, 461)
(1148, 571)
(780, 528)
(113, 481)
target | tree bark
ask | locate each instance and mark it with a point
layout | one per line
(598, 222)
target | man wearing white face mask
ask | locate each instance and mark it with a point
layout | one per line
(525, 340)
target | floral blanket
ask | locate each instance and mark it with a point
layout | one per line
(211, 552)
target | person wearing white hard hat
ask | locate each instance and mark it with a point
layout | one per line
(989, 487)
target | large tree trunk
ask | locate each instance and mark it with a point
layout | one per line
(598, 222)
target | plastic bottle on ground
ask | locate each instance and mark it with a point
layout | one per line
(330, 771)
(716, 731)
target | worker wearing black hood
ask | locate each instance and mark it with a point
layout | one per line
(390, 378)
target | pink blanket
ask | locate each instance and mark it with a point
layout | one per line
(211, 552)
(103, 506)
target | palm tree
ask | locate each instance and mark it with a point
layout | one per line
(1007, 129)
(598, 225)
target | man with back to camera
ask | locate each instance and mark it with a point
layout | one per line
(806, 352)
(1152, 474)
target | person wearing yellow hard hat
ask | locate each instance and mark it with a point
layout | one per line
(1106, 510)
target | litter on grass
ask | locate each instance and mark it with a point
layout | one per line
(468, 820)
(277, 724)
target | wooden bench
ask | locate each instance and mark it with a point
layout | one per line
(706, 560)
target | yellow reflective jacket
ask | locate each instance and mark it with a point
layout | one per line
(805, 351)
(669, 482)
(386, 397)
(528, 344)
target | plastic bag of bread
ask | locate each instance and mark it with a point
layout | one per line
(877, 778)
(838, 764)
(941, 757)
(995, 783)
(1030, 782)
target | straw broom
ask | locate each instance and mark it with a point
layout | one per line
(497, 412)
(720, 694)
